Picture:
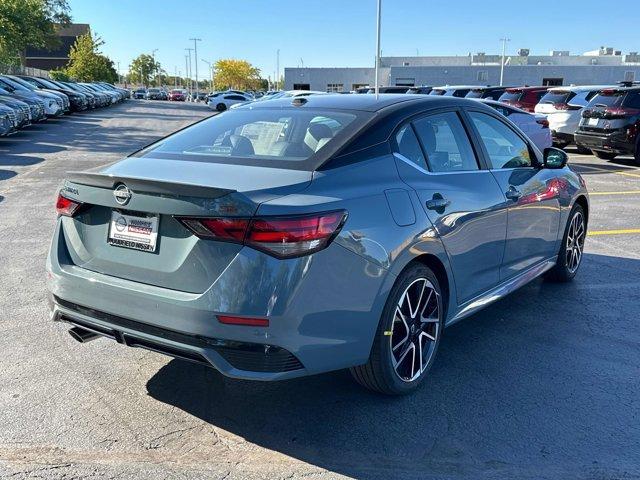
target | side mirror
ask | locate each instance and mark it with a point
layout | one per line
(555, 158)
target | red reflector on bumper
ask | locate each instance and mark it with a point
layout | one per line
(252, 322)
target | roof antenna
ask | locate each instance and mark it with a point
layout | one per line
(378, 47)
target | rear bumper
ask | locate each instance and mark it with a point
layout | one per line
(614, 143)
(560, 138)
(323, 311)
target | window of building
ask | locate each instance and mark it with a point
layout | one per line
(335, 87)
(405, 82)
(483, 76)
(301, 86)
(405, 64)
(552, 82)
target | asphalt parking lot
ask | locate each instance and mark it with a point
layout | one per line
(543, 384)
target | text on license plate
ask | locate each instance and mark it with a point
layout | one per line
(132, 231)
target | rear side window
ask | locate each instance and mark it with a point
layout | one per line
(511, 95)
(409, 147)
(557, 97)
(446, 143)
(505, 147)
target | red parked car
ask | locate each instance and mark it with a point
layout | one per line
(177, 95)
(525, 98)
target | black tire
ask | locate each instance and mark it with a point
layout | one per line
(379, 374)
(604, 155)
(636, 155)
(221, 107)
(583, 150)
(562, 272)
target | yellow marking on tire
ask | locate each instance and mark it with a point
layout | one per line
(387, 333)
(613, 232)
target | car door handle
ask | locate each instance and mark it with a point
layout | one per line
(513, 193)
(438, 202)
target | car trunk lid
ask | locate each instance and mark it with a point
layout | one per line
(159, 191)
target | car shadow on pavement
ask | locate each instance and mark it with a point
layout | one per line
(6, 174)
(539, 384)
(19, 160)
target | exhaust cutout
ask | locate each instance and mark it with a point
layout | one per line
(82, 335)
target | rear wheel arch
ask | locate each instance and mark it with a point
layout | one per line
(437, 267)
(582, 201)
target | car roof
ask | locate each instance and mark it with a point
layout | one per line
(582, 88)
(367, 103)
(456, 87)
(527, 89)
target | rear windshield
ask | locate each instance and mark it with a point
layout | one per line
(557, 97)
(612, 98)
(153, 90)
(475, 93)
(460, 93)
(282, 138)
(513, 95)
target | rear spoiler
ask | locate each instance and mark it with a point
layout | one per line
(146, 185)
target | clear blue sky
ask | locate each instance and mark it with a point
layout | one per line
(338, 33)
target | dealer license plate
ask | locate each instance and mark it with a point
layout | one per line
(133, 231)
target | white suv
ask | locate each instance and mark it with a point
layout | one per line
(563, 107)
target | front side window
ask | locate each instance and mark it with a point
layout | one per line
(446, 143)
(409, 147)
(505, 147)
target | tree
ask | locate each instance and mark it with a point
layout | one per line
(32, 23)
(59, 74)
(237, 74)
(142, 68)
(87, 64)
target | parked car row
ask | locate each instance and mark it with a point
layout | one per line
(174, 95)
(28, 99)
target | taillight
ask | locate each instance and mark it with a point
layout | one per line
(251, 322)
(282, 237)
(543, 121)
(66, 206)
(620, 112)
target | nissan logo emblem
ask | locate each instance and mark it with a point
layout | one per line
(122, 194)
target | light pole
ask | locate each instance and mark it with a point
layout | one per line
(504, 48)
(378, 46)
(195, 48)
(210, 71)
(153, 55)
(186, 66)
(278, 69)
(190, 71)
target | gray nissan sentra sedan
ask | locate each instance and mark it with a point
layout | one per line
(292, 237)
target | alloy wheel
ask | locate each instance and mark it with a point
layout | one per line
(415, 329)
(575, 242)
